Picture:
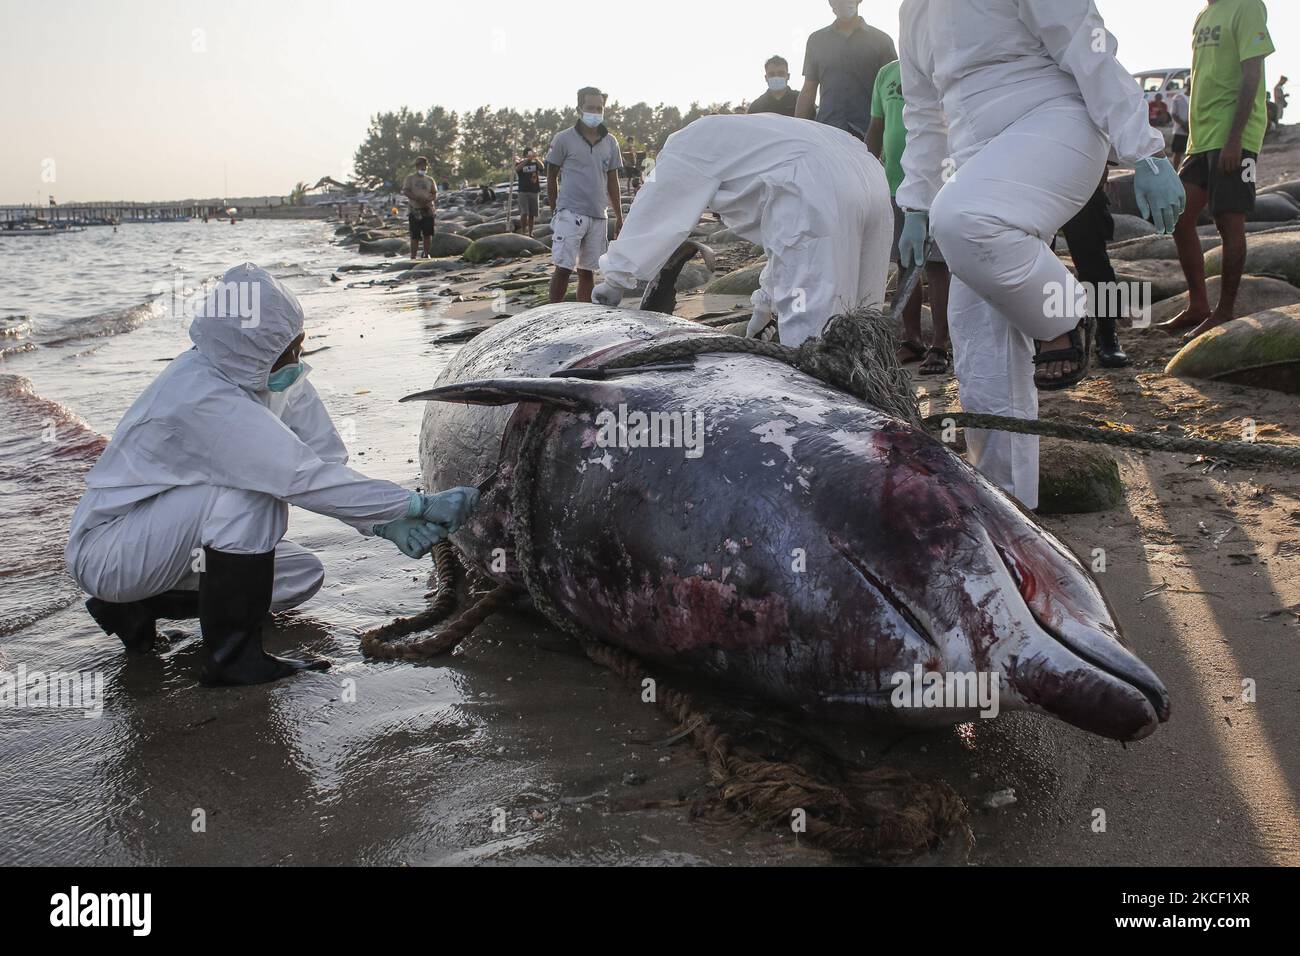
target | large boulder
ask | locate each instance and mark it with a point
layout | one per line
(484, 229)
(506, 246)
(542, 232)
(1261, 350)
(1275, 254)
(1257, 293)
(741, 282)
(384, 247)
(1077, 478)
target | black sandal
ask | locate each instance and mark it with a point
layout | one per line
(1078, 352)
(916, 349)
(939, 367)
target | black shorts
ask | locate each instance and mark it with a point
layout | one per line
(1179, 145)
(1229, 192)
(420, 225)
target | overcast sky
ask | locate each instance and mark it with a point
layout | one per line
(163, 99)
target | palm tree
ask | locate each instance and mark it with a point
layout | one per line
(296, 197)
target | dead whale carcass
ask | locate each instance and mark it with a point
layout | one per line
(787, 540)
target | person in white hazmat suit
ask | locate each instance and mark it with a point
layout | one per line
(811, 195)
(185, 512)
(1012, 108)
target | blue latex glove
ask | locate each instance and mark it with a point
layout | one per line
(448, 509)
(414, 537)
(1159, 192)
(911, 244)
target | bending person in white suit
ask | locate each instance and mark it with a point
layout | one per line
(811, 195)
(1012, 108)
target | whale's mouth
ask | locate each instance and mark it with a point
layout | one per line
(1129, 700)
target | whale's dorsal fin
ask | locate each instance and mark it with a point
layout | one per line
(568, 393)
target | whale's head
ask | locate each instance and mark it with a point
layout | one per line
(976, 587)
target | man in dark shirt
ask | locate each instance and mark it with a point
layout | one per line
(779, 98)
(529, 171)
(841, 62)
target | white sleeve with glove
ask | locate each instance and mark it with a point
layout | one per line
(1077, 39)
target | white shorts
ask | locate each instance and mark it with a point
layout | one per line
(578, 242)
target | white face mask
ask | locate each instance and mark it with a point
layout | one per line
(776, 83)
(593, 119)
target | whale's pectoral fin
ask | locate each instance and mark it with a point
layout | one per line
(661, 294)
(570, 393)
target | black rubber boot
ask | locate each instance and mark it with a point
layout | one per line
(136, 622)
(1109, 352)
(234, 598)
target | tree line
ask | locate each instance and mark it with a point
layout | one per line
(482, 145)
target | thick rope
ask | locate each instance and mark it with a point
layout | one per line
(382, 642)
(1243, 452)
(858, 354)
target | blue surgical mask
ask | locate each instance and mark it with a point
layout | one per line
(776, 83)
(282, 378)
(593, 119)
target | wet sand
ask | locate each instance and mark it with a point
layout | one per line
(389, 763)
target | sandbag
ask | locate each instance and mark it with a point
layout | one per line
(1075, 478)
(1257, 294)
(446, 244)
(1131, 227)
(741, 282)
(1154, 247)
(1291, 188)
(1260, 350)
(504, 246)
(1165, 278)
(1274, 207)
(384, 247)
(1275, 254)
(494, 228)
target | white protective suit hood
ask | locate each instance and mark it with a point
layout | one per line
(245, 323)
(208, 419)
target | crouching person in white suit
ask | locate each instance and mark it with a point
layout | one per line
(809, 194)
(1012, 108)
(184, 514)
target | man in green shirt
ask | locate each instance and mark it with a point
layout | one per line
(1229, 116)
(887, 138)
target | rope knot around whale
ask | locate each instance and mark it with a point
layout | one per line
(880, 812)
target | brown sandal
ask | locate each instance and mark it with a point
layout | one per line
(937, 361)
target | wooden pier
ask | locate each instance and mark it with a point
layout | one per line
(108, 213)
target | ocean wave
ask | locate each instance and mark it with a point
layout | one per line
(100, 324)
(45, 452)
